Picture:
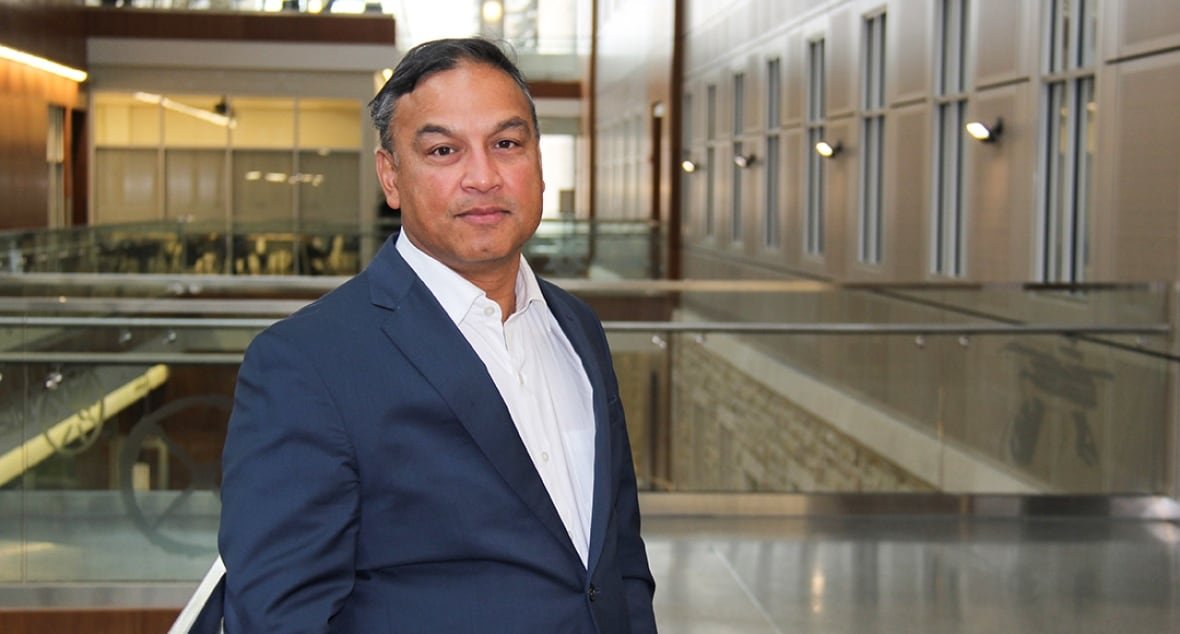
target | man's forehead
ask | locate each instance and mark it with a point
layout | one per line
(430, 100)
(427, 83)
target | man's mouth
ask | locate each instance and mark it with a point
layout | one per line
(484, 215)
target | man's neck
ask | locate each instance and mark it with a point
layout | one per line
(500, 285)
(496, 279)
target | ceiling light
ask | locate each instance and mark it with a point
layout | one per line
(40, 63)
(176, 106)
(493, 11)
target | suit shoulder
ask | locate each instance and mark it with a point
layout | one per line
(333, 313)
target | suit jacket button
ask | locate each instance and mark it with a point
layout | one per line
(593, 593)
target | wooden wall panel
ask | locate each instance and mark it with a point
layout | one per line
(105, 621)
(25, 97)
(255, 27)
(51, 29)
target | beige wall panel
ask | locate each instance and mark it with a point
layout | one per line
(264, 123)
(999, 181)
(723, 203)
(127, 123)
(789, 194)
(692, 198)
(1002, 40)
(1146, 198)
(751, 184)
(1147, 26)
(335, 125)
(195, 184)
(185, 130)
(126, 189)
(908, 58)
(842, 54)
(906, 193)
(840, 206)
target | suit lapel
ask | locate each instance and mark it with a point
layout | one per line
(420, 328)
(575, 331)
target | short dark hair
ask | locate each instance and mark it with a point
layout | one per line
(432, 57)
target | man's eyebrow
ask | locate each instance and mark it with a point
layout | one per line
(432, 128)
(512, 123)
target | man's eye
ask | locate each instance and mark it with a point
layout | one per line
(506, 144)
(442, 151)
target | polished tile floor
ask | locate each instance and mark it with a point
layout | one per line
(831, 575)
(915, 574)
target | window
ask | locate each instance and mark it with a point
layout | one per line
(686, 122)
(770, 221)
(872, 128)
(55, 158)
(1068, 124)
(814, 202)
(739, 116)
(950, 98)
(276, 160)
(710, 160)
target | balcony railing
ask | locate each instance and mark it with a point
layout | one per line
(115, 391)
(560, 248)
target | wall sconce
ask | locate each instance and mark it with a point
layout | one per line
(827, 150)
(688, 166)
(982, 132)
(744, 160)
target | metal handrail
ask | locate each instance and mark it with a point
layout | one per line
(840, 328)
(195, 284)
(660, 327)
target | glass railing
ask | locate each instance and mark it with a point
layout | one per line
(560, 248)
(554, 37)
(115, 395)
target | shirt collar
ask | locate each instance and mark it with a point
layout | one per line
(453, 291)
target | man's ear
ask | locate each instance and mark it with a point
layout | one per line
(387, 176)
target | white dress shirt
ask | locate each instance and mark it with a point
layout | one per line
(539, 376)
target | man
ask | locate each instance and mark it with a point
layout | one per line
(437, 445)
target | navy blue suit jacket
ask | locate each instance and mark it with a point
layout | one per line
(373, 480)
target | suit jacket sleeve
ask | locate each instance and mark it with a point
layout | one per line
(633, 564)
(289, 496)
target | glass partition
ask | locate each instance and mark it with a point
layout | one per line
(277, 244)
(547, 35)
(115, 393)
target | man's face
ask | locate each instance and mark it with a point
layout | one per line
(466, 169)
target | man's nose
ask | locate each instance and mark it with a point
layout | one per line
(481, 173)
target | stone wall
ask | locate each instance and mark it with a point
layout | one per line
(731, 432)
